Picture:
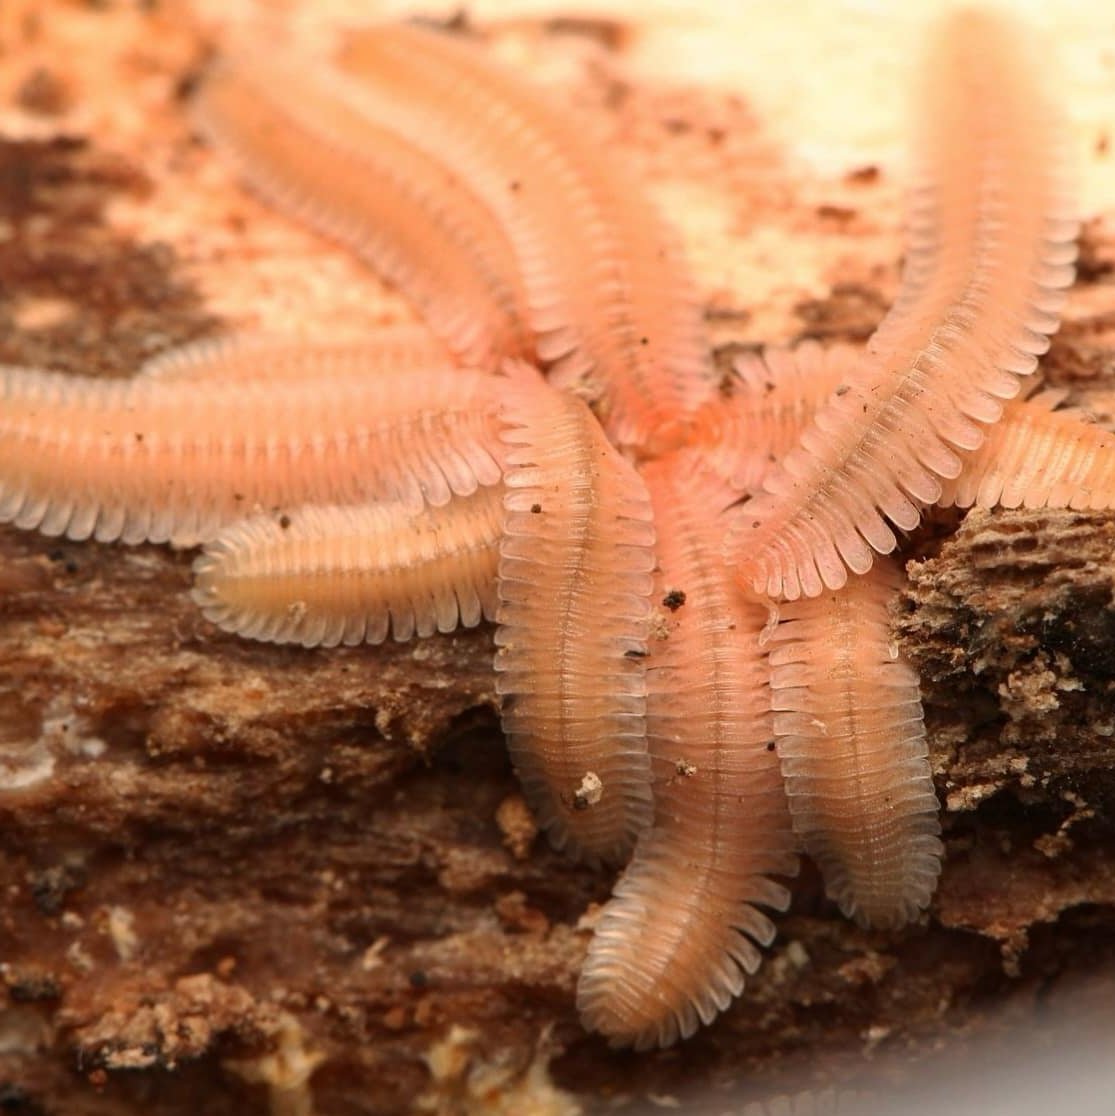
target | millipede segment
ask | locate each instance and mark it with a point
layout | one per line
(990, 251)
(574, 613)
(687, 921)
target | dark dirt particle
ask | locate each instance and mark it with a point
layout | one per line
(1096, 259)
(723, 311)
(15, 1099)
(852, 312)
(863, 176)
(456, 22)
(50, 887)
(611, 34)
(841, 214)
(28, 985)
(43, 92)
(124, 301)
(674, 599)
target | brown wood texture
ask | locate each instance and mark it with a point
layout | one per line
(240, 878)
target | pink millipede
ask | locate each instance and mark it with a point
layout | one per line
(775, 395)
(309, 148)
(612, 305)
(1038, 457)
(404, 350)
(852, 745)
(990, 251)
(574, 612)
(686, 925)
(323, 576)
(154, 459)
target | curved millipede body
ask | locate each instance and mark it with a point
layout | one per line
(775, 395)
(851, 742)
(324, 576)
(297, 134)
(990, 251)
(574, 610)
(613, 308)
(683, 929)
(1039, 458)
(153, 460)
(406, 350)
(1035, 456)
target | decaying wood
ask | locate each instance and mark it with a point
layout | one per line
(241, 878)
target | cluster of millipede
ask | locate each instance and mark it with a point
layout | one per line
(693, 656)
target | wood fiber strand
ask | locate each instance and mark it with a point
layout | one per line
(826, 1102)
